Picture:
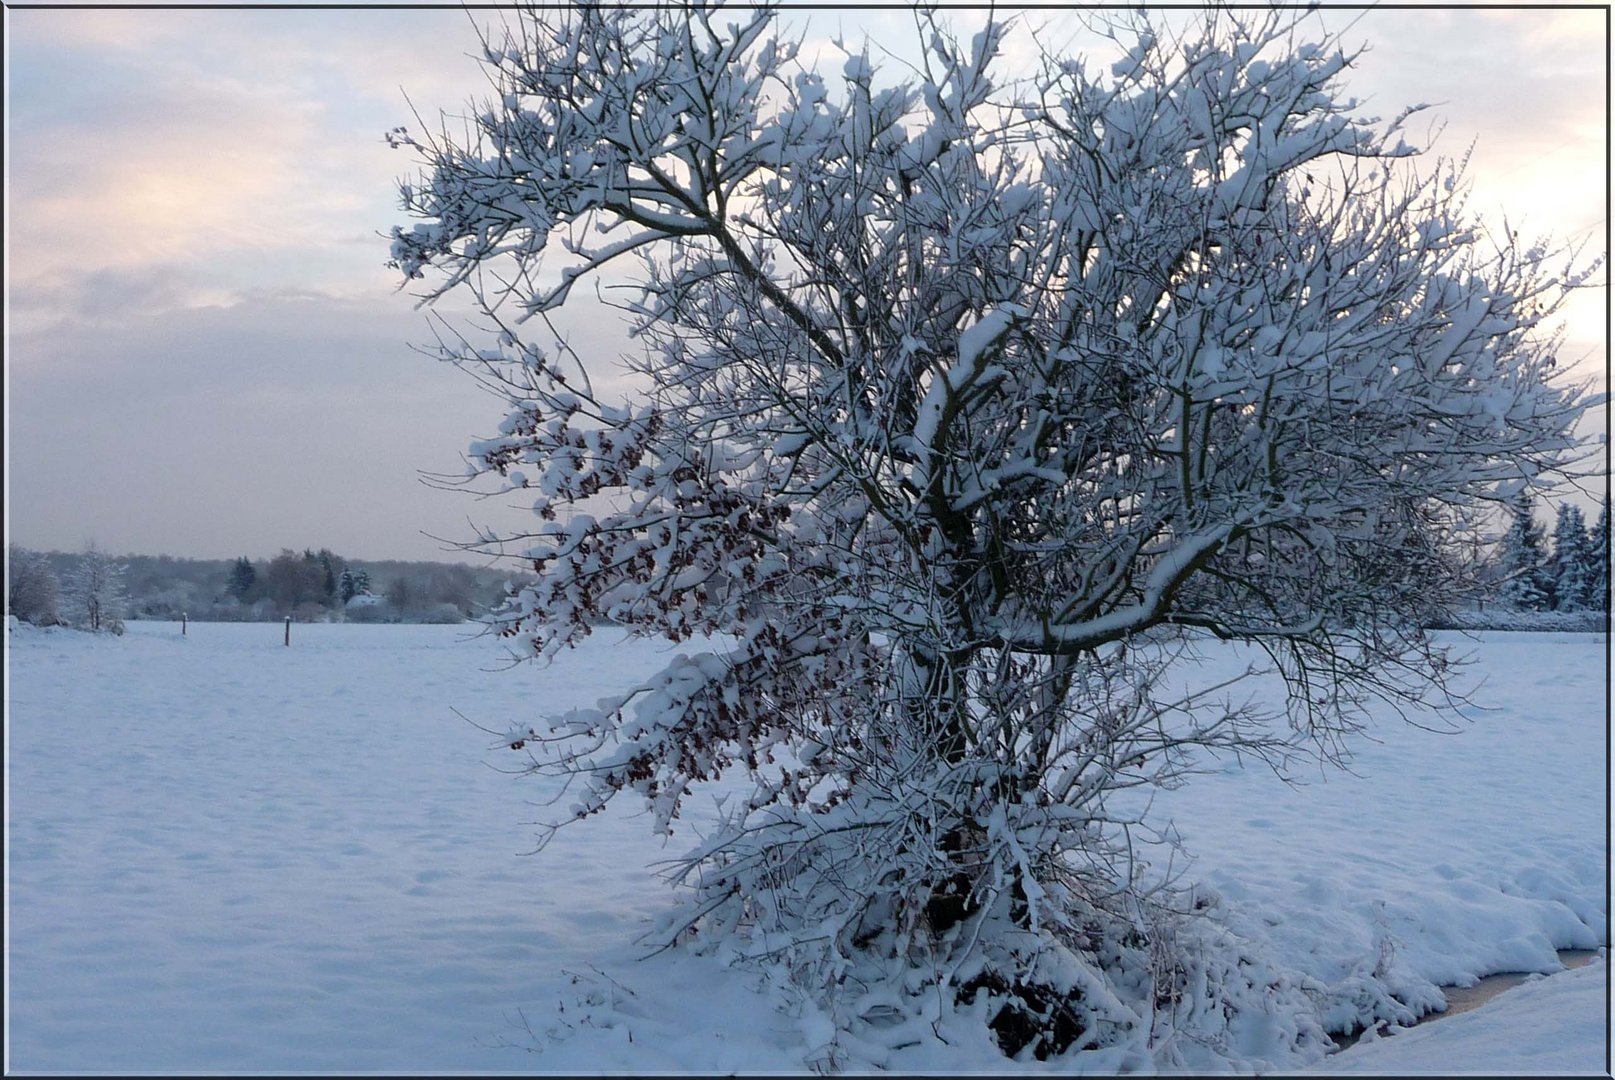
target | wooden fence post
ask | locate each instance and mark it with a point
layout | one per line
(184, 622)
(288, 630)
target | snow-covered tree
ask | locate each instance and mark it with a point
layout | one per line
(95, 594)
(1571, 569)
(1598, 559)
(31, 587)
(969, 408)
(1527, 583)
(353, 582)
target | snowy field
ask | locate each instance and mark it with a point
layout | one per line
(225, 855)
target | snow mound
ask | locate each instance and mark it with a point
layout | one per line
(1552, 1025)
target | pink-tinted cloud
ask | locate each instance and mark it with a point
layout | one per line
(243, 146)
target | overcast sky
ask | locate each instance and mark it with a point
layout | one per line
(206, 356)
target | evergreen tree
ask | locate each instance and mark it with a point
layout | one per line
(1598, 560)
(352, 583)
(1571, 568)
(242, 578)
(1525, 585)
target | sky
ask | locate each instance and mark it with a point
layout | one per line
(206, 355)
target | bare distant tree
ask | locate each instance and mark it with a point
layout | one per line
(292, 581)
(404, 594)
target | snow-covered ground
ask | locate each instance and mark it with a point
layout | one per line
(228, 855)
(1550, 1026)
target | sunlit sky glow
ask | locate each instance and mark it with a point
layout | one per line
(206, 356)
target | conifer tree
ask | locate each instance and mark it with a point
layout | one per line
(1598, 560)
(242, 578)
(1571, 568)
(352, 583)
(330, 578)
(1525, 584)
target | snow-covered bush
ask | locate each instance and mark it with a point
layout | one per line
(32, 591)
(441, 613)
(374, 610)
(954, 392)
(169, 602)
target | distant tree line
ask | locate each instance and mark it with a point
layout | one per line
(1572, 576)
(92, 591)
(1565, 572)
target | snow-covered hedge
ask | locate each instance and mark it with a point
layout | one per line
(1507, 619)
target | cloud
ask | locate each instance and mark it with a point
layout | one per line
(1526, 87)
(247, 142)
(160, 167)
(105, 296)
